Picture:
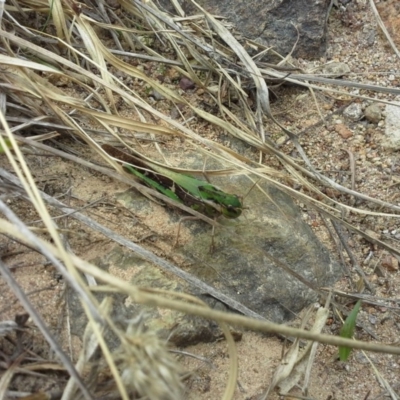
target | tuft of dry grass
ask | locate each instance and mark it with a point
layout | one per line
(65, 69)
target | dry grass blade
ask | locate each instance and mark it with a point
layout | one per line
(95, 50)
(16, 62)
(303, 79)
(302, 359)
(76, 73)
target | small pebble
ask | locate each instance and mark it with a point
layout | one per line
(156, 95)
(281, 140)
(343, 131)
(336, 69)
(186, 84)
(353, 112)
(390, 263)
(373, 113)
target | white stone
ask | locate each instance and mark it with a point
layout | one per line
(392, 130)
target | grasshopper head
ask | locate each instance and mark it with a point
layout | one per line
(231, 207)
(231, 212)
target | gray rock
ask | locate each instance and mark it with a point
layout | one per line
(353, 112)
(257, 260)
(248, 250)
(274, 23)
(252, 253)
(392, 131)
(373, 113)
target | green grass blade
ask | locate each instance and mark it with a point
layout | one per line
(348, 330)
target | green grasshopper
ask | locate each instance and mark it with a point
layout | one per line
(197, 194)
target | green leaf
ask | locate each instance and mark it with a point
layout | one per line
(348, 330)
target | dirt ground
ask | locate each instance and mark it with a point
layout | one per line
(354, 39)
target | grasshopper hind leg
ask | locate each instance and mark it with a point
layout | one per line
(179, 228)
(212, 245)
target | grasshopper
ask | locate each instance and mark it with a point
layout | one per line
(197, 194)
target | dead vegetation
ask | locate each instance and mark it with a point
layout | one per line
(91, 75)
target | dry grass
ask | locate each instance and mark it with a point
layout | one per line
(49, 50)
